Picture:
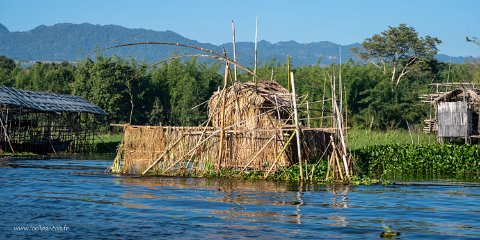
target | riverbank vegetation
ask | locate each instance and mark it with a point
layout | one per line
(166, 93)
(421, 161)
(380, 98)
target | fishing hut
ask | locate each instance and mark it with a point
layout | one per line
(251, 127)
(42, 123)
(456, 107)
(256, 126)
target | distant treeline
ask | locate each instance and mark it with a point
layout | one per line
(167, 93)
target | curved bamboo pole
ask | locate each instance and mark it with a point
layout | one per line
(216, 55)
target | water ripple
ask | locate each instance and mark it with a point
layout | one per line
(78, 194)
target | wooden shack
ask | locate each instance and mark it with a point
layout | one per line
(41, 122)
(456, 111)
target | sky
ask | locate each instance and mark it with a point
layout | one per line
(304, 21)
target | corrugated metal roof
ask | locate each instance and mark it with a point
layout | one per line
(47, 102)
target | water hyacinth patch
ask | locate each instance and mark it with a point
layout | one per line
(419, 160)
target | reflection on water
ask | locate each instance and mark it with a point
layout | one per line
(93, 204)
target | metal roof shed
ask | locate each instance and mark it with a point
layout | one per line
(47, 102)
(41, 122)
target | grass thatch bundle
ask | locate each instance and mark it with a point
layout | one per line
(195, 150)
(251, 105)
(140, 146)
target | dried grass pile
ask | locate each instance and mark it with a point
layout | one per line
(251, 105)
(255, 115)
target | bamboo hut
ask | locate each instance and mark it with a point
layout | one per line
(252, 126)
(250, 129)
(456, 107)
(43, 123)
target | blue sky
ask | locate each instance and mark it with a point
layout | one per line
(341, 21)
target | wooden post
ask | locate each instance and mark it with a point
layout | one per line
(297, 127)
(234, 52)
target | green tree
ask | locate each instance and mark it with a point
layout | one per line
(7, 63)
(7, 67)
(397, 51)
(112, 84)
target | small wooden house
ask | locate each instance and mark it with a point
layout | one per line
(456, 112)
(41, 122)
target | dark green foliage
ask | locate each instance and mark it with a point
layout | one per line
(166, 94)
(417, 160)
(177, 87)
(7, 63)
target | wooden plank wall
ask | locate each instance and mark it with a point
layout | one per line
(454, 119)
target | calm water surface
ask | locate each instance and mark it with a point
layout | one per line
(75, 199)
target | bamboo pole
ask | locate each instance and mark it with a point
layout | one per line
(342, 138)
(297, 127)
(280, 154)
(336, 161)
(234, 52)
(258, 153)
(339, 166)
(255, 51)
(192, 150)
(222, 116)
(319, 159)
(288, 73)
(323, 101)
(6, 133)
(308, 115)
(340, 86)
(328, 168)
(346, 113)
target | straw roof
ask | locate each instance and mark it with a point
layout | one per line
(249, 104)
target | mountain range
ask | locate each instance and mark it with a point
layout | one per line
(74, 42)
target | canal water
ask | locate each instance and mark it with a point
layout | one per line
(76, 199)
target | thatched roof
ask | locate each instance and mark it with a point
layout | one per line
(454, 95)
(244, 101)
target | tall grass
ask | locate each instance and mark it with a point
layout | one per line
(107, 143)
(360, 138)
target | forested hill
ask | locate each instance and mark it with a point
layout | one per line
(72, 42)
